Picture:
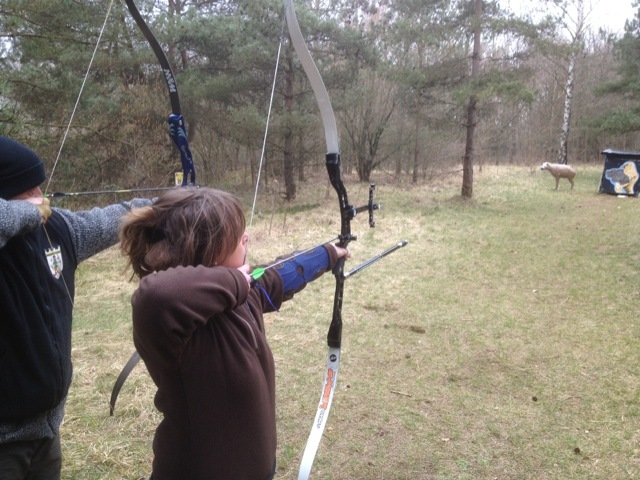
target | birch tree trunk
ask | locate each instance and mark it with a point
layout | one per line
(576, 48)
(566, 116)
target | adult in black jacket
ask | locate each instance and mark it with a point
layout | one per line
(40, 249)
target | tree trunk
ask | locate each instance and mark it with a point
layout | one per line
(400, 154)
(416, 151)
(472, 109)
(576, 48)
(287, 155)
(566, 116)
(300, 166)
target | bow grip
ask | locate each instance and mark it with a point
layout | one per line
(178, 134)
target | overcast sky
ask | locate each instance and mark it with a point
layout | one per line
(612, 13)
(609, 14)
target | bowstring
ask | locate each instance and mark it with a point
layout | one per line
(266, 130)
(66, 133)
(75, 107)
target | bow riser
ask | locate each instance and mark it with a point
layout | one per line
(347, 212)
(334, 335)
(179, 136)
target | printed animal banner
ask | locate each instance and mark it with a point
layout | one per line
(621, 173)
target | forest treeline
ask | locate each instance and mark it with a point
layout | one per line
(546, 87)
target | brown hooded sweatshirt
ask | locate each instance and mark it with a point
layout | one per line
(200, 332)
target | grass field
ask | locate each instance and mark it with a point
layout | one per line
(501, 343)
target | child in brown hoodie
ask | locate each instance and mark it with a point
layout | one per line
(198, 326)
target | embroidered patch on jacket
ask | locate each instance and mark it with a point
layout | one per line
(54, 258)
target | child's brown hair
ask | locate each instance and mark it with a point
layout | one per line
(186, 226)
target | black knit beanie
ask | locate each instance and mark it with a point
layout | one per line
(20, 168)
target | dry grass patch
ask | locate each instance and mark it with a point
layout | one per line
(501, 343)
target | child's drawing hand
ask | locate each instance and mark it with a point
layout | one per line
(245, 269)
